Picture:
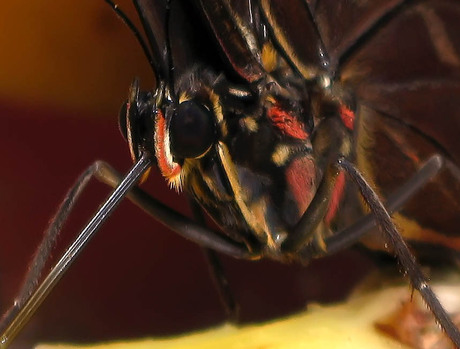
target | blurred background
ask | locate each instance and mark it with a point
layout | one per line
(65, 69)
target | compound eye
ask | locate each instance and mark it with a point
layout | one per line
(192, 130)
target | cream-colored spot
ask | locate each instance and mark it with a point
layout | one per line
(281, 154)
(217, 109)
(250, 124)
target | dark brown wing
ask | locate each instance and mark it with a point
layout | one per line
(293, 29)
(405, 73)
(235, 35)
(343, 24)
(410, 70)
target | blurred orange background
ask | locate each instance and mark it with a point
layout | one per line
(76, 56)
(65, 69)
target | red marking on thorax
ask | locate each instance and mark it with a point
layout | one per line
(336, 196)
(300, 175)
(287, 123)
(348, 116)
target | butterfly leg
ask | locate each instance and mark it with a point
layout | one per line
(381, 217)
(217, 272)
(32, 293)
(407, 260)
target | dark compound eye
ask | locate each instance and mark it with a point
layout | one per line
(192, 130)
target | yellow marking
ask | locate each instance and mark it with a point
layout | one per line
(175, 182)
(250, 123)
(280, 155)
(193, 171)
(411, 230)
(184, 97)
(269, 57)
(197, 187)
(308, 72)
(270, 99)
(145, 176)
(259, 210)
(218, 112)
(217, 108)
(318, 238)
(238, 192)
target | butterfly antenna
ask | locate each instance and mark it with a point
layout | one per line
(125, 19)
